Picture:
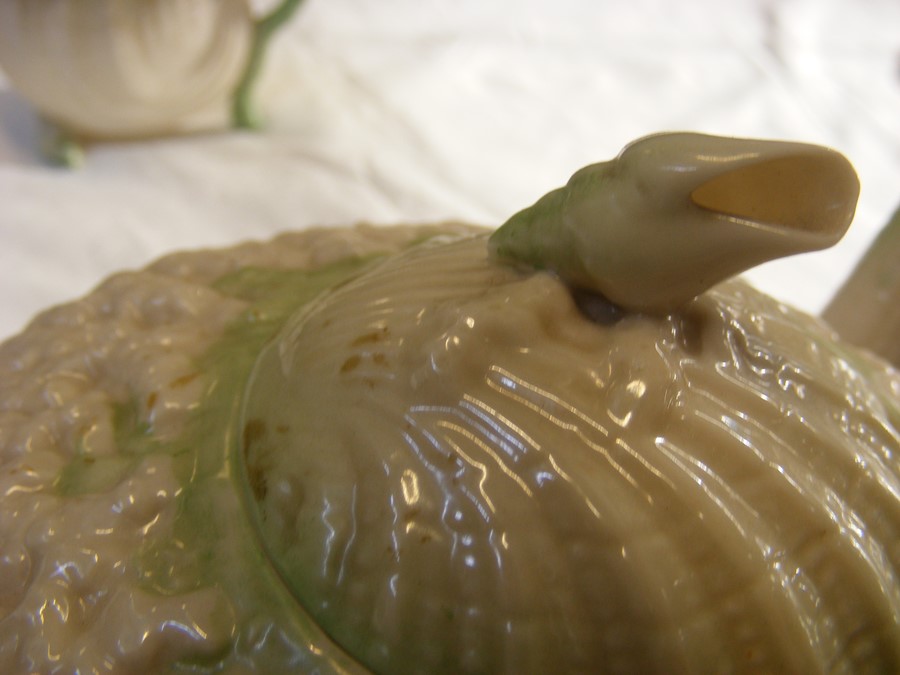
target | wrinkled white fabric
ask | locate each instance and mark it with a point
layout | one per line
(412, 110)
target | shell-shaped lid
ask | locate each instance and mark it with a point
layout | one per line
(459, 465)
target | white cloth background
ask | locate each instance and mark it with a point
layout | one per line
(410, 110)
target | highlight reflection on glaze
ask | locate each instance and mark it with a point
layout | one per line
(467, 474)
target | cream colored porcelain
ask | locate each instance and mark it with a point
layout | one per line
(386, 450)
(675, 214)
(866, 310)
(109, 69)
(603, 464)
(456, 469)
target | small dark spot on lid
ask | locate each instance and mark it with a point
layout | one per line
(689, 329)
(183, 380)
(596, 308)
(371, 337)
(256, 477)
(350, 364)
(254, 430)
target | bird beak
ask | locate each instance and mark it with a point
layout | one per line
(675, 214)
(803, 194)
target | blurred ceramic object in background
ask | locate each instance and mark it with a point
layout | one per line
(125, 69)
(866, 310)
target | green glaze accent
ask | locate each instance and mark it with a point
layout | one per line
(133, 435)
(243, 115)
(89, 475)
(59, 148)
(214, 542)
(533, 235)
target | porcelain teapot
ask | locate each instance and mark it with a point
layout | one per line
(573, 446)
